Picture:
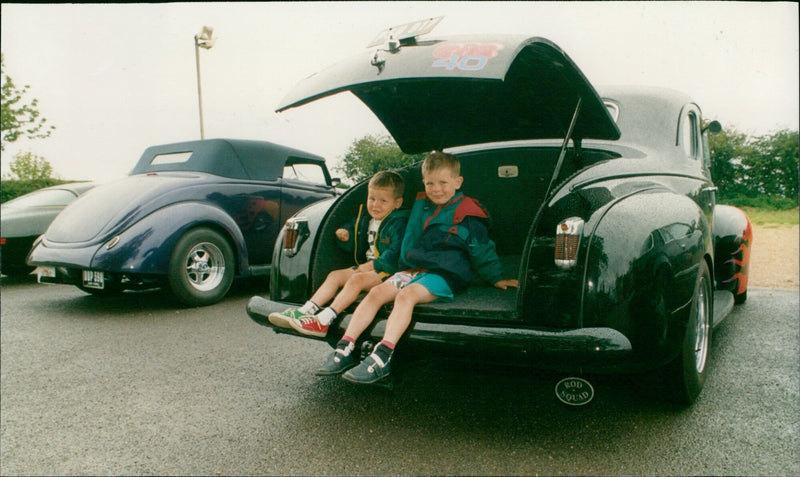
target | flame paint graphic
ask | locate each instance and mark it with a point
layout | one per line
(738, 262)
(744, 263)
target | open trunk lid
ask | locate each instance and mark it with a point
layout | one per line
(463, 90)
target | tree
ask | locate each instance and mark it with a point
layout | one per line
(774, 162)
(728, 150)
(756, 171)
(371, 154)
(19, 118)
(27, 166)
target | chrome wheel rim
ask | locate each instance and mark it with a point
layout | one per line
(703, 328)
(205, 266)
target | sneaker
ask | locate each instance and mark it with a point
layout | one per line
(370, 371)
(338, 362)
(285, 318)
(309, 325)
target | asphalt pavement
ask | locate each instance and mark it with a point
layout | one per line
(137, 385)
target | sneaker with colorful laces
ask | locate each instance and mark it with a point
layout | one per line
(337, 362)
(284, 319)
(371, 371)
(310, 325)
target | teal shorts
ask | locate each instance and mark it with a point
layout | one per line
(433, 283)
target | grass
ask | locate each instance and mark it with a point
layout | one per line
(762, 216)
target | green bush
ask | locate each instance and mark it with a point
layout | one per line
(10, 189)
(773, 217)
(772, 202)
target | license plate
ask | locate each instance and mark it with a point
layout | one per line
(47, 272)
(93, 279)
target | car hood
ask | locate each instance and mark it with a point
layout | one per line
(108, 208)
(462, 90)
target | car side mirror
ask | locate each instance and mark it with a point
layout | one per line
(335, 182)
(713, 127)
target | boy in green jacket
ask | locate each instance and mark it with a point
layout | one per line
(375, 243)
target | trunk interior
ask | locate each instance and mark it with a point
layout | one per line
(511, 184)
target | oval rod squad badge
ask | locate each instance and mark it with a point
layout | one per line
(574, 391)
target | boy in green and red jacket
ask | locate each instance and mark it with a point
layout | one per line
(374, 238)
(446, 238)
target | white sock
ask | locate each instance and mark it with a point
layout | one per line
(309, 308)
(327, 316)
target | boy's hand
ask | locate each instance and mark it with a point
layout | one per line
(504, 284)
(343, 235)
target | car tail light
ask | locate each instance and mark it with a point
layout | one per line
(2, 241)
(294, 234)
(112, 243)
(568, 240)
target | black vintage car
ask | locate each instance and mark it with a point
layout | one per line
(602, 203)
(190, 217)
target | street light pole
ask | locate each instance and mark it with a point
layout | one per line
(205, 41)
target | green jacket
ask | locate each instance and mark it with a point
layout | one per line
(451, 241)
(387, 241)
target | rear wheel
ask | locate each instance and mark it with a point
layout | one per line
(201, 268)
(686, 374)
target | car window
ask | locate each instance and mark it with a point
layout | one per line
(43, 198)
(690, 135)
(171, 158)
(306, 172)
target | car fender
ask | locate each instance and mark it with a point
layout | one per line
(44, 253)
(146, 246)
(290, 276)
(733, 239)
(641, 268)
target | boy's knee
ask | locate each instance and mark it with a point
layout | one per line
(375, 292)
(355, 282)
(413, 295)
(382, 293)
(406, 296)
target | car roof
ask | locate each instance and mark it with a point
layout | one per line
(460, 90)
(234, 158)
(648, 115)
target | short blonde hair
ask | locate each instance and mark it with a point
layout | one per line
(438, 160)
(389, 180)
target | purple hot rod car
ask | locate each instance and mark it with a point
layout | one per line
(190, 216)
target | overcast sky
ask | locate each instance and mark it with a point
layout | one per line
(115, 79)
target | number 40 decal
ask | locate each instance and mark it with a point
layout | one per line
(464, 63)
